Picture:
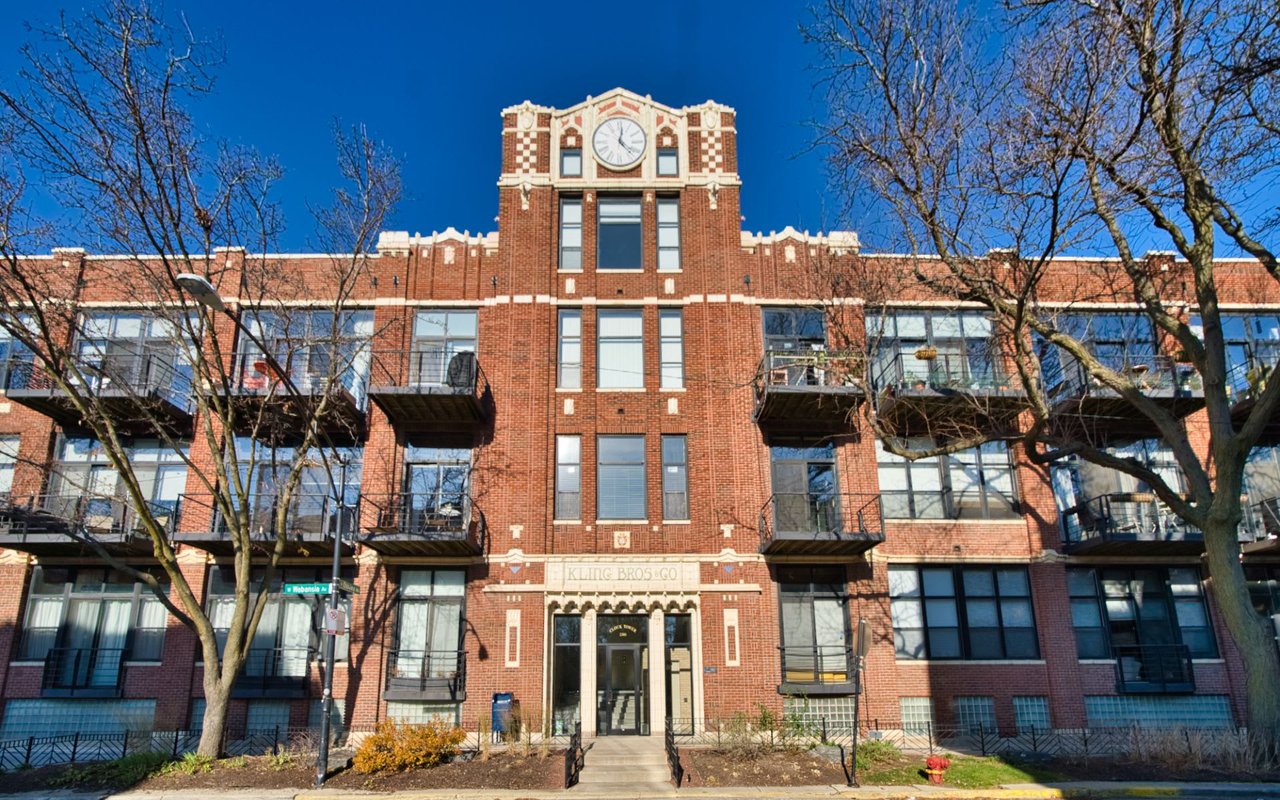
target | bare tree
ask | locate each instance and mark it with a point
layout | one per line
(1062, 124)
(100, 122)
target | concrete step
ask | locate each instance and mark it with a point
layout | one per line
(626, 759)
(624, 779)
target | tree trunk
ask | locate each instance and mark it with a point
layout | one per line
(217, 697)
(1253, 635)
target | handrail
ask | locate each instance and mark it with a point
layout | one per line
(1147, 371)
(84, 670)
(1126, 516)
(90, 513)
(456, 369)
(141, 374)
(310, 514)
(817, 664)
(820, 513)
(259, 374)
(1153, 668)
(430, 517)
(419, 670)
(930, 369)
(811, 368)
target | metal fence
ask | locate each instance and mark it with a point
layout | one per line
(78, 748)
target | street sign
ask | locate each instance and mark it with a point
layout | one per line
(347, 586)
(308, 588)
(335, 621)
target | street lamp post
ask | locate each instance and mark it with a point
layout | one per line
(199, 289)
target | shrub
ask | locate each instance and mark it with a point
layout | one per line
(122, 772)
(190, 764)
(873, 752)
(396, 747)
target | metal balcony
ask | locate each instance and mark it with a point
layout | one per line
(1128, 524)
(1153, 669)
(939, 394)
(1260, 528)
(946, 504)
(311, 523)
(426, 675)
(820, 524)
(808, 391)
(272, 408)
(1085, 404)
(83, 672)
(140, 392)
(431, 389)
(281, 672)
(1245, 383)
(65, 524)
(425, 525)
(818, 670)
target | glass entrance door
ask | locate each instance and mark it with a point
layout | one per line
(622, 673)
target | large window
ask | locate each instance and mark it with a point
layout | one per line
(292, 626)
(965, 352)
(671, 347)
(1115, 607)
(815, 625)
(668, 233)
(324, 497)
(566, 672)
(315, 348)
(620, 481)
(1253, 347)
(962, 613)
(794, 329)
(568, 477)
(444, 343)
(618, 236)
(1091, 497)
(971, 484)
(435, 485)
(85, 486)
(804, 487)
(675, 478)
(101, 614)
(429, 618)
(620, 350)
(569, 358)
(571, 234)
(135, 350)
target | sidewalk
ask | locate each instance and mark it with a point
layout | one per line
(1024, 791)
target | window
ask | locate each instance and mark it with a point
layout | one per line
(804, 488)
(292, 626)
(1253, 347)
(435, 489)
(671, 348)
(571, 162)
(85, 486)
(570, 356)
(8, 460)
(1264, 587)
(618, 233)
(620, 482)
(566, 672)
(620, 350)
(429, 624)
(444, 346)
(101, 613)
(135, 350)
(668, 234)
(315, 347)
(1031, 714)
(1118, 607)
(668, 162)
(815, 625)
(975, 714)
(320, 502)
(15, 358)
(972, 484)
(675, 478)
(792, 329)
(568, 477)
(571, 234)
(962, 613)
(966, 354)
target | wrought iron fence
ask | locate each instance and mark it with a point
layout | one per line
(573, 757)
(80, 748)
(673, 756)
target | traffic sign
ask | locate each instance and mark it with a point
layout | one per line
(347, 586)
(308, 588)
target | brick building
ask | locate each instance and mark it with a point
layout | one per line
(641, 501)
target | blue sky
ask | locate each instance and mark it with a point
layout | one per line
(430, 79)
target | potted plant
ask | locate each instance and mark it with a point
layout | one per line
(927, 353)
(935, 767)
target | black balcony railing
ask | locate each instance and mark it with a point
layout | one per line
(811, 369)
(947, 504)
(47, 523)
(820, 522)
(83, 672)
(1153, 669)
(36, 643)
(145, 644)
(1153, 374)
(930, 371)
(426, 675)
(805, 667)
(274, 672)
(426, 523)
(1135, 521)
(808, 390)
(256, 373)
(308, 517)
(141, 376)
(430, 385)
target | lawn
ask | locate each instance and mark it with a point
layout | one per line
(881, 764)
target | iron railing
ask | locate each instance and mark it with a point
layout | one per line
(573, 757)
(84, 512)
(1150, 373)
(1153, 669)
(423, 671)
(430, 516)
(817, 665)
(797, 514)
(945, 503)
(310, 516)
(930, 370)
(811, 369)
(141, 375)
(273, 671)
(258, 374)
(1126, 517)
(1261, 520)
(430, 368)
(83, 672)
(673, 756)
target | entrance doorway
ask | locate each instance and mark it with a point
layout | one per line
(622, 675)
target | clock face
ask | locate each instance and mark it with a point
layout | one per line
(619, 142)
